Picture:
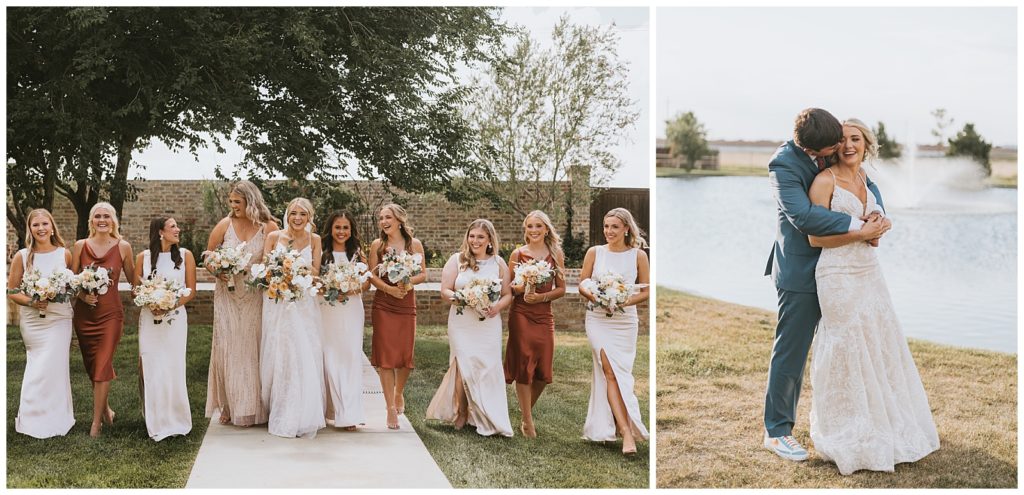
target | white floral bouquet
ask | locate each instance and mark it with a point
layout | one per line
(160, 294)
(286, 276)
(341, 278)
(478, 295)
(59, 287)
(533, 274)
(400, 267)
(228, 261)
(611, 291)
(93, 280)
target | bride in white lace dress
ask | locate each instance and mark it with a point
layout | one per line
(291, 356)
(869, 409)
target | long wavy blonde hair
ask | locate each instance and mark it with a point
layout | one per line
(30, 240)
(114, 232)
(466, 258)
(633, 233)
(305, 204)
(256, 209)
(552, 240)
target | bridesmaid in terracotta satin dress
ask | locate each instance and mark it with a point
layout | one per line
(99, 320)
(394, 311)
(531, 325)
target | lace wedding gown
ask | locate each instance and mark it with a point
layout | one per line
(292, 366)
(869, 409)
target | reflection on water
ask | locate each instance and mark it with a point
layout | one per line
(951, 271)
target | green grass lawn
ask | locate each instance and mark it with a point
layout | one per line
(558, 457)
(126, 457)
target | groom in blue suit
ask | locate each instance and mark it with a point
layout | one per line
(816, 136)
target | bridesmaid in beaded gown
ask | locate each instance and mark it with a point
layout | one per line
(614, 408)
(394, 310)
(233, 386)
(99, 319)
(531, 324)
(162, 345)
(45, 407)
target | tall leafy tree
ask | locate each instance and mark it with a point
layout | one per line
(969, 143)
(303, 91)
(546, 115)
(888, 148)
(687, 138)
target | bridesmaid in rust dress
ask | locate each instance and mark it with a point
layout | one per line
(531, 325)
(394, 310)
(99, 320)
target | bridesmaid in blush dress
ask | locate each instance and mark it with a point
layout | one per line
(614, 408)
(233, 385)
(162, 345)
(99, 319)
(394, 310)
(343, 329)
(531, 325)
(45, 408)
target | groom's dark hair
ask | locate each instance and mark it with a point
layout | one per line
(816, 129)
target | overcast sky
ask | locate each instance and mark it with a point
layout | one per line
(634, 31)
(747, 72)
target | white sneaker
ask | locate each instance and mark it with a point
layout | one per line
(785, 447)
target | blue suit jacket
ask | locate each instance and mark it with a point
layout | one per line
(792, 260)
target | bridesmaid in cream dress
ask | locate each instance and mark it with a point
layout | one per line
(473, 390)
(343, 329)
(162, 345)
(45, 408)
(614, 408)
(233, 386)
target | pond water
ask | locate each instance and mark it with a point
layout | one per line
(950, 261)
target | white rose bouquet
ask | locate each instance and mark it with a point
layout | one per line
(159, 294)
(341, 278)
(400, 267)
(478, 295)
(93, 280)
(228, 261)
(286, 276)
(611, 291)
(533, 274)
(59, 287)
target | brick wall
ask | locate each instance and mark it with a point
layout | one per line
(431, 310)
(439, 224)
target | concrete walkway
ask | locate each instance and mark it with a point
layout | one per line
(370, 457)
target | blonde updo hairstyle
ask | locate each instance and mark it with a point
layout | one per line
(633, 233)
(870, 140)
(114, 232)
(466, 258)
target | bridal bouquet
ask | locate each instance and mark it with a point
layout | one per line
(286, 276)
(611, 291)
(228, 261)
(93, 280)
(533, 274)
(342, 278)
(400, 267)
(160, 294)
(59, 287)
(478, 295)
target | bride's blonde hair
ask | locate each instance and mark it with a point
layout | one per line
(870, 140)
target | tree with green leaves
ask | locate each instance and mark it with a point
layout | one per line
(888, 148)
(942, 124)
(969, 143)
(304, 91)
(687, 138)
(545, 115)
